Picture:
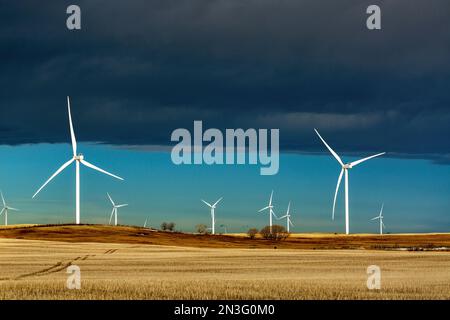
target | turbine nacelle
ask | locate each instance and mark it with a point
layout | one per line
(347, 166)
(79, 157)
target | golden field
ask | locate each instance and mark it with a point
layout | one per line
(36, 269)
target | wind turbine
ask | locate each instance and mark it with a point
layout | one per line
(271, 213)
(224, 228)
(77, 158)
(145, 223)
(288, 217)
(114, 210)
(213, 219)
(380, 217)
(344, 171)
(5, 209)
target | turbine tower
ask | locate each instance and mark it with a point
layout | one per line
(344, 171)
(5, 209)
(271, 213)
(114, 210)
(78, 159)
(380, 217)
(288, 217)
(213, 218)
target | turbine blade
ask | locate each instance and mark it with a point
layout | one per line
(383, 224)
(2, 211)
(208, 204)
(72, 132)
(355, 163)
(265, 208)
(329, 148)
(13, 209)
(375, 218)
(110, 199)
(290, 222)
(3, 199)
(65, 165)
(90, 165)
(217, 202)
(271, 196)
(112, 213)
(122, 205)
(381, 211)
(288, 209)
(272, 212)
(337, 190)
(282, 217)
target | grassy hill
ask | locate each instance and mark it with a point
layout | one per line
(139, 235)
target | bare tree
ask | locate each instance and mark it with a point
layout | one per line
(252, 233)
(201, 228)
(171, 226)
(278, 233)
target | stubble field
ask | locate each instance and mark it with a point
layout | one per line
(34, 269)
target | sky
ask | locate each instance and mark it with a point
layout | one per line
(138, 70)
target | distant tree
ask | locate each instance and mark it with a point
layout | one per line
(252, 233)
(278, 233)
(164, 226)
(201, 228)
(171, 226)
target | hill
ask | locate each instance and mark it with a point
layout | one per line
(139, 235)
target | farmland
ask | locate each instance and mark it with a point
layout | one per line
(116, 263)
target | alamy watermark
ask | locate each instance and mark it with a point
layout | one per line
(374, 279)
(74, 278)
(373, 22)
(237, 147)
(73, 21)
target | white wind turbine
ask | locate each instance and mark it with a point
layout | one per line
(77, 158)
(145, 223)
(5, 209)
(114, 210)
(224, 228)
(271, 213)
(288, 217)
(344, 171)
(213, 218)
(380, 217)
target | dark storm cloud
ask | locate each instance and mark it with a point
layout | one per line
(139, 69)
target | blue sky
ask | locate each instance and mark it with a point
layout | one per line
(163, 64)
(415, 192)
